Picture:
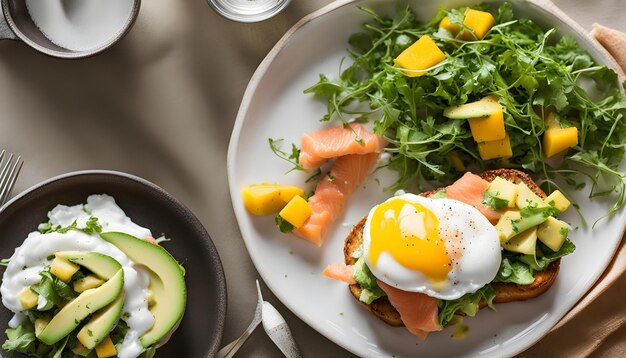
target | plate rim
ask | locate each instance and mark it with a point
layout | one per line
(222, 294)
(541, 5)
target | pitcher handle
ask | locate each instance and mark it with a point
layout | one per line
(5, 30)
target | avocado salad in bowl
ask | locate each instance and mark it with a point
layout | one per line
(106, 264)
(91, 283)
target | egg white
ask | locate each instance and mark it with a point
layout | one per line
(477, 266)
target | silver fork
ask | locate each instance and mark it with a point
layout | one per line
(230, 349)
(9, 170)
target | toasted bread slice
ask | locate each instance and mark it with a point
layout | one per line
(505, 292)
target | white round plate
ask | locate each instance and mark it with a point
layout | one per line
(275, 107)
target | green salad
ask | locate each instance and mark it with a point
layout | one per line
(533, 73)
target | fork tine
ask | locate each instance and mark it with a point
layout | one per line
(4, 174)
(8, 176)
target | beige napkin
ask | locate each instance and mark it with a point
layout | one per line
(596, 319)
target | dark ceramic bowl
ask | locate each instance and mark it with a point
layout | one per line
(200, 330)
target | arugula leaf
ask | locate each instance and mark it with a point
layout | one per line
(20, 339)
(283, 225)
(293, 157)
(515, 272)
(53, 290)
(491, 200)
(541, 263)
(467, 304)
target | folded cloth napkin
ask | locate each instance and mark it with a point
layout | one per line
(596, 324)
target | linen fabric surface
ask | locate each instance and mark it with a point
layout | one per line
(161, 105)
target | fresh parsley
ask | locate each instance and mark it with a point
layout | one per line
(91, 226)
(283, 225)
(491, 200)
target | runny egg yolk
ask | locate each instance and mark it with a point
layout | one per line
(409, 232)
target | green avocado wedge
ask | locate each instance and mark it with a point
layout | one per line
(101, 265)
(167, 282)
(88, 302)
(101, 323)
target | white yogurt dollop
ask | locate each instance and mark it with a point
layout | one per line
(32, 256)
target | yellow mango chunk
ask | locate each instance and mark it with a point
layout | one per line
(296, 211)
(495, 149)
(106, 348)
(87, 283)
(63, 269)
(490, 128)
(479, 21)
(446, 24)
(28, 298)
(556, 140)
(265, 199)
(456, 161)
(423, 54)
(558, 200)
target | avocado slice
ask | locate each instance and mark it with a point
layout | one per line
(90, 301)
(524, 243)
(167, 282)
(101, 265)
(483, 108)
(101, 324)
(512, 223)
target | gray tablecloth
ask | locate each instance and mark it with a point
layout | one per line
(161, 104)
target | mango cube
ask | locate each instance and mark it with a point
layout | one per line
(63, 269)
(526, 197)
(28, 298)
(296, 211)
(503, 189)
(495, 149)
(265, 199)
(556, 140)
(420, 56)
(553, 233)
(446, 24)
(87, 283)
(558, 200)
(106, 348)
(479, 21)
(490, 128)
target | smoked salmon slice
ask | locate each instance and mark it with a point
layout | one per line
(418, 311)
(332, 192)
(318, 146)
(470, 189)
(340, 272)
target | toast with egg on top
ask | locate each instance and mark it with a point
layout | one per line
(505, 292)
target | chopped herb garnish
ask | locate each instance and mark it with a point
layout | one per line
(491, 200)
(283, 225)
(293, 157)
